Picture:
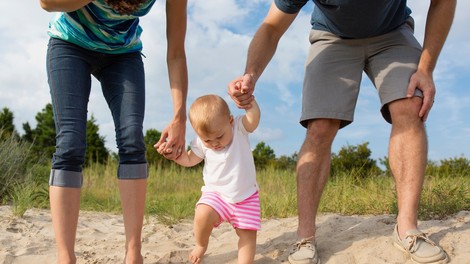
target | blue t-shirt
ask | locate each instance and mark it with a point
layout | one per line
(98, 27)
(352, 18)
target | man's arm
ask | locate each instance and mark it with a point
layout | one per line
(63, 5)
(438, 23)
(260, 52)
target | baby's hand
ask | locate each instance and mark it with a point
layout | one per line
(164, 151)
(161, 149)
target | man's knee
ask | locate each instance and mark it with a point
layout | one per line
(405, 110)
(323, 130)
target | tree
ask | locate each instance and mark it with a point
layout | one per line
(263, 155)
(43, 137)
(286, 162)
(356, 159)
(449, 167)
(7, 128)
(385, 163)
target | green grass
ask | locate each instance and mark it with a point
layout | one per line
(172, 193)
(442, 196)
(173, 190)
(277, 193)
(349, 195)
(22, 177)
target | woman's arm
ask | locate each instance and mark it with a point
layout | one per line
(174, 133)
(63, 5)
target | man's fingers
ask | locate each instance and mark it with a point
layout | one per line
(426, 108)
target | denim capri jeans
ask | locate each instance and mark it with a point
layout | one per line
(122, 78)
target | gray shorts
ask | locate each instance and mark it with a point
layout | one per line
(334, 67)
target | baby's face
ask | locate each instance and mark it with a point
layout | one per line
(221, 137)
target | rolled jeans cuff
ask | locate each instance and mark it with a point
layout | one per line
(132, 171)
(64, 178)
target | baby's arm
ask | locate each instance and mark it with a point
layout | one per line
(251, 118)
(186, 159)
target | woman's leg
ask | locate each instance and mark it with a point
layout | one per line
(133, 207)
(70, 82)
(65, 204)
(123, 84)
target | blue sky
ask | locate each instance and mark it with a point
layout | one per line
(219, 32)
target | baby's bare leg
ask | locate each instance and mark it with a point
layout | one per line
(246, 246)
(204, 219)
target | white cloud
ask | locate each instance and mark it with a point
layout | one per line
(218, 36)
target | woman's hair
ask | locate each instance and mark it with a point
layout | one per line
(206, 111)
(125, 7)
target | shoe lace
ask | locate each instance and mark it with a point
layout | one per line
(414, 241)
(304, 242)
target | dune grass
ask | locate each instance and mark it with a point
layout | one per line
(21, 181)
(173, 191)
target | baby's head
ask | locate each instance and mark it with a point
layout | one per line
(211, 119)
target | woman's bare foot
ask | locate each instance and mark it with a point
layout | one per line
(133, 258)
(195, 257)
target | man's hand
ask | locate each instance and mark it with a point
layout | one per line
(424, 82)
(241, 90)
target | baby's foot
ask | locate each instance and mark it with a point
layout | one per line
(195, 257)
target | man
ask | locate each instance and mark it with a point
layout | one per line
(349, 37)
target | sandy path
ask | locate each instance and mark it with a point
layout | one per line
(341, 239)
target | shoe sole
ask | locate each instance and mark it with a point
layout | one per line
(297, 262)
(444, 261)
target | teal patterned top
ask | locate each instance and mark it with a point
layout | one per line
(98, 27)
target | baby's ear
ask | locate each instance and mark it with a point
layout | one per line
(231, 119)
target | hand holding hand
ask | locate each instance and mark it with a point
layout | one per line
(241, 90)
(172, 140)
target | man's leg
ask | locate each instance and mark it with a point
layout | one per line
(132, 193)
(407, 157)
(313, 168)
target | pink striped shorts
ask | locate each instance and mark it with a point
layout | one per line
(243, 215)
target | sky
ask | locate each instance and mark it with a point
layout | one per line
(218, 35)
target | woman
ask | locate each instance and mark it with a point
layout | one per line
(102, 38)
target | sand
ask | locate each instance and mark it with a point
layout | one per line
(340, 239)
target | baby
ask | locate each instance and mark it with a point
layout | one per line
(230, 191)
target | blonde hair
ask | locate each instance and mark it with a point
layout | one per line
(206, 111)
